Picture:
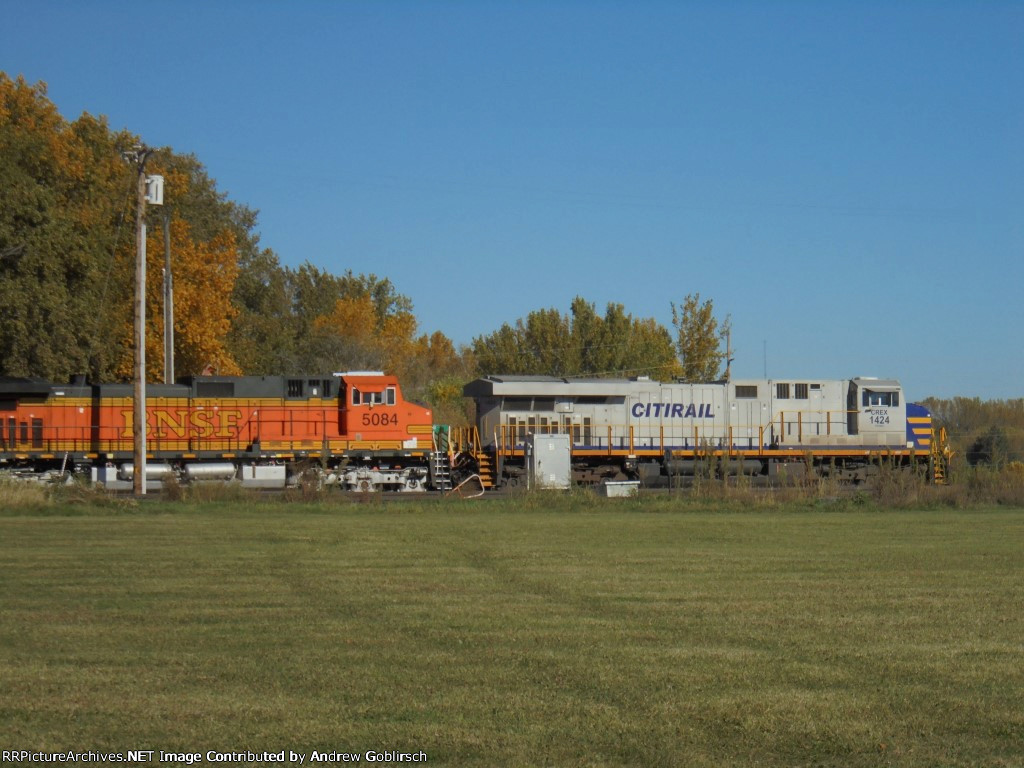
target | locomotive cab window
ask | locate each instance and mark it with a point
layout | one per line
(364, 398)
(880, 399)
(373, 398)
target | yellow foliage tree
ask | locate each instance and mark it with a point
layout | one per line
(698, 338)
(204, 274)
(366, 338)
(354, 319)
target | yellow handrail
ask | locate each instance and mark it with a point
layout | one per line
(625, 436)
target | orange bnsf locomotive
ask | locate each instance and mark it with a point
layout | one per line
(350, 429)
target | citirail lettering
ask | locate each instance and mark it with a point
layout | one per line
(672, 411)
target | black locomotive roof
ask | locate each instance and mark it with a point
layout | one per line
(297, 387)
(12, 385)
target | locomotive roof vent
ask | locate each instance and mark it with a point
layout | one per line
(359, 373)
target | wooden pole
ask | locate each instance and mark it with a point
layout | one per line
(139, 390)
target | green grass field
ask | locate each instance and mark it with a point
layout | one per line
(549, 631)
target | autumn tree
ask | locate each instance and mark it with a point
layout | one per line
(580, 343)
(263, 334)
(373, 327)
(308, 319)
(204, 274)
(204, 262)
(210, 237)
(698, 338)
(61, 192)
(346, 321)
(67, 251)
(983, 432)
(619, 344)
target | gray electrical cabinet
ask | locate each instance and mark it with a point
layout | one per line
(550, 461)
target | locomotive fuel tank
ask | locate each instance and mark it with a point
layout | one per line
(223, 470)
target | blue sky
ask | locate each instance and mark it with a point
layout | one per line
(844, 179)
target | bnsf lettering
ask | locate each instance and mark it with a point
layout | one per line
(182, 423)
(672, 411)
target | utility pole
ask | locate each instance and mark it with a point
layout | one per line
(728, 354)
(139, 391)
(148, 189)
(168, 304)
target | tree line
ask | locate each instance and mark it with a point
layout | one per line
(67, 262)
(982, 432)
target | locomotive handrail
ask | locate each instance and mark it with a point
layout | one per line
(511, 438)
(84, 439)
(828, 421)
(783, 427)
(464, 440)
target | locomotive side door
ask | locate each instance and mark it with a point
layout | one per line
(749, 410)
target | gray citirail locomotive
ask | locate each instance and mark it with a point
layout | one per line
(650, 431)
